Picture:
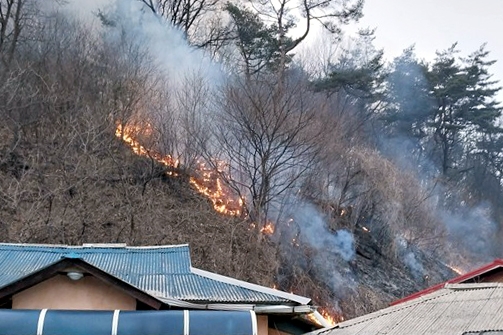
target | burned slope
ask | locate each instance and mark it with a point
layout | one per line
(56, 190)
(390, 278)
(351, 270)
(52, 192)
(66, 178)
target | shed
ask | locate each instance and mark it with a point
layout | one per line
(108, 286)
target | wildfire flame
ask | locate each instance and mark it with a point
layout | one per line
(268, 229)
(207, 180)
(330, 318)
(128, 135)
(210, 185)
(455, 269)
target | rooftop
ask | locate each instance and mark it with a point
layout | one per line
(475, 275)
(455, 309)
(164, 272)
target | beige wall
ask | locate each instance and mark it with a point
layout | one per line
(60, 292)
(262, 324)
(273, 331)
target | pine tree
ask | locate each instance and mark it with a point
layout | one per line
(465, 107)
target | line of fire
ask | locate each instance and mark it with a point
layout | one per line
(208, 182)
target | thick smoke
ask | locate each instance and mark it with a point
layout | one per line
(132, 21)
(313, 229)
(472, 233)
(325, 253)
(408, 257)
(469, 230)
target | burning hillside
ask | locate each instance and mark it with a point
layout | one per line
(207, 180)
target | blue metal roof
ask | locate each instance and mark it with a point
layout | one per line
(162, 272)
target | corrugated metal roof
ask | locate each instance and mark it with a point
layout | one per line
(455, 310)
(480, 273)
(163, 272)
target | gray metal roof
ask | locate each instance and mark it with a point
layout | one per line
(454, 310)
(164, 272)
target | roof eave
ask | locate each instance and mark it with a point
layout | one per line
(257, 308)
(254, 287)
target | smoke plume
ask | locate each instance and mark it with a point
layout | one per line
(133, 21)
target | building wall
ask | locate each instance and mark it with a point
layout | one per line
(273, 331)
(262, 325)
(60, 292)
(496, 277)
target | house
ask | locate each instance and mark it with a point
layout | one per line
(116, 289)
(492, 272)
(469, 304)
(456, 309)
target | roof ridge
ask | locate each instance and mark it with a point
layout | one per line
(495, 264)
(85, 246)
(472, 286)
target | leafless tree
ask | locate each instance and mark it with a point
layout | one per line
(268, 140)
(198, 19)
(13, 19)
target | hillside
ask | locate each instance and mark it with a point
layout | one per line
(107, 196)
(113, 195)
(342, 186)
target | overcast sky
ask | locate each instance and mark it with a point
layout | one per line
(435, 24)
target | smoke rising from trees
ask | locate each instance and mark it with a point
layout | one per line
(362, 164)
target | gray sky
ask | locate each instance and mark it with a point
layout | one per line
(435, 24)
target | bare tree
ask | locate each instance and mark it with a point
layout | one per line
(197, 19)
(12, 21)
(268, 140)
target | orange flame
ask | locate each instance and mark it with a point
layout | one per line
(330, 318)
(268, 229)
(207, 181)
(455, 269)
(210, 185)
(127, 134)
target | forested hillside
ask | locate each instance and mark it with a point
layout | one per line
(349, 179)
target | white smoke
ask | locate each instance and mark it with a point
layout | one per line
(472, 233)
(406, 253)
(134, 21)
(314, 230)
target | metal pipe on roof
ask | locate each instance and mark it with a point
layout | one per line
(282, 309)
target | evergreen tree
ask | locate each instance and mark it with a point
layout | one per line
(409, 103)
(257, 43)
(359, 76)
(464, 109)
